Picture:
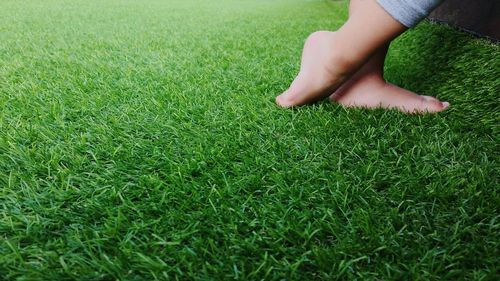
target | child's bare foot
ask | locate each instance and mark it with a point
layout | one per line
(330, 58)
(318, 77)
(358, 47)
(320, 72)
(369, 90)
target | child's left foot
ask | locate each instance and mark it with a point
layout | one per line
(371, 91)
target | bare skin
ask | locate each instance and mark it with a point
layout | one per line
(349, 64)
(368, 88)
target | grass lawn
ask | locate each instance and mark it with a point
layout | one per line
(139, 141)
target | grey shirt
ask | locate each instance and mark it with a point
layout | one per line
(409, 12)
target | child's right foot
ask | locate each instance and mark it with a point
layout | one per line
(317, 78)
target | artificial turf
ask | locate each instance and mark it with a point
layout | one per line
(139, 141)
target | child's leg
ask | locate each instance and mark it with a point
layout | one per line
(367, 88)
(329, 59)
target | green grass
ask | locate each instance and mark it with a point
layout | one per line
(139, 141)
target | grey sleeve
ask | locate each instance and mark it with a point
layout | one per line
(409, 12)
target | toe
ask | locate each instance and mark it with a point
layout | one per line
(431, 104)
(283, 100)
